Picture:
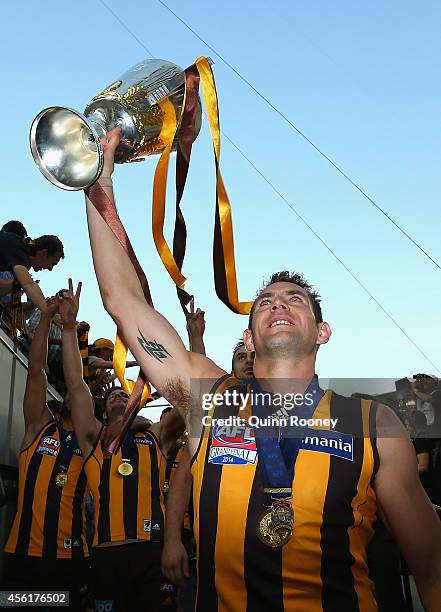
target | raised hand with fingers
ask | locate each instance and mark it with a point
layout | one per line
(69, 303)
(196, 328)
(52, 307)
(195, 321)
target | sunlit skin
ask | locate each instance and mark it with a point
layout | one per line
(243, 362)
(64, 415)
(42, 261)
(116, 404)
(287, 350)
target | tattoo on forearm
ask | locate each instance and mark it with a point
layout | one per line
(153, 348)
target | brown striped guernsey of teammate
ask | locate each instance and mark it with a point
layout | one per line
(323, 567)
(50, 519)
(128, 507)
(83, 344)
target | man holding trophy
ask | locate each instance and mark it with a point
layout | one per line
(326, 502)
(283, 514)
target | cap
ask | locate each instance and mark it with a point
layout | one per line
(103, 343)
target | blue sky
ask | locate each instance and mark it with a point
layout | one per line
(360, 80)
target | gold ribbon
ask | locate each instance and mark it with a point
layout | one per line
(167, 135)
(226, 225)
(119, 366)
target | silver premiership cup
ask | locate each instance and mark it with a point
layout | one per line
(66, 144)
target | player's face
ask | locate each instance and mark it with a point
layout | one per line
(116, 403)
(284, 322)
(43, 261)
(105, 353)
(243, 362)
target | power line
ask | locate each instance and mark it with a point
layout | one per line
(333, 253)
(304, 136)
(121, 22)
(304, 221)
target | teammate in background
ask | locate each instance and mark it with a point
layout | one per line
(127, 487)
(7, 278)
(100, 362)
(46, 549)
(175, 556)
(179, 547)
(301, 494)
(18, 256)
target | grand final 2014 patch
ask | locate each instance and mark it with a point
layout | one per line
(234, 445)
(49, 446)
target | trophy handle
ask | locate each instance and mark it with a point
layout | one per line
(66, 147)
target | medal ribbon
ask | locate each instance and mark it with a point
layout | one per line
(277, 459)
(66, 448)
(127, 446)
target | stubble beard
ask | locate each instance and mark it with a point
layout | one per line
(289, 347)
(116, 412)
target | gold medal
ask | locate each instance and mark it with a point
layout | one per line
(61, 479)
(125, 469)
(276, 524)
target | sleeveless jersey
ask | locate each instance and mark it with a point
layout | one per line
(50, 519)
(323, 567)
(128, 507)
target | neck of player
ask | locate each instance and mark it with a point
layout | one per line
(295, 373)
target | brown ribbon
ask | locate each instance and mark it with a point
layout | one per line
(185, 143)
(108, 211)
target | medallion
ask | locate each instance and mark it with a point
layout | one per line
(125, 469)
(276, 524)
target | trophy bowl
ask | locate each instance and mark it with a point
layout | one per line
(66, 144)
(66, 148)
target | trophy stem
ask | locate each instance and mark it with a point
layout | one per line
(100, 128)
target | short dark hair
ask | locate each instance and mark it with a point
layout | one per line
(15, 227)
(296, 279)
(109, 392)
(240, 344)
(52, 243)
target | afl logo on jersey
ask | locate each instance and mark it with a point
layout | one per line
(48, 446)
(234, 445)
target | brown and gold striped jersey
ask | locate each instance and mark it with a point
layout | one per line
(323, 566)
(132, 506)
(50, 518)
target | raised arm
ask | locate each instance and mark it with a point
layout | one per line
(35, 410)
(107, 365)
(152, 340)
(81, 404)
(406, 508)
(196, 329)
(174, 555)
(168, 429)
(30, 287)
